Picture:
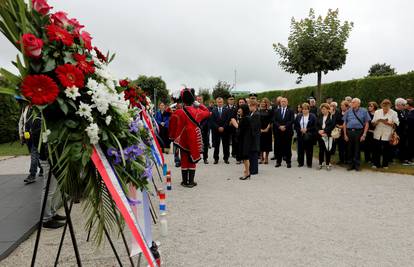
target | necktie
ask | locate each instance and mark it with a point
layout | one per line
(283, 113)
(220, 112)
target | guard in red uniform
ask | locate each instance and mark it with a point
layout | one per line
(185, 132)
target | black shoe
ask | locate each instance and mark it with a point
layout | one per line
(30, 179)
(191, 176)
(300, 165)
(184, 176)
(357, 169)
(52, 224)
(216, 162)
(40, 174)
(289, 165)
(226, 161)
(309, 166)
(177, 165)
(205, 161)
(272, 158)
(58, 217)
(350, 168)
(245, 177)
(278, 165)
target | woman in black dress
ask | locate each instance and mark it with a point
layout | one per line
(244, 136)
(265, 133)
(234, 122)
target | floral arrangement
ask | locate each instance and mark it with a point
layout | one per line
(69, 83)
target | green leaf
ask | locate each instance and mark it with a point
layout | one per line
(104, 136)
(63, 105)
(86, 156)
(50, 65)
(75, 137)
(8, 91)
(71, 124)
(10, 77)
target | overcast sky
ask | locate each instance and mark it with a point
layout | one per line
(198, 42)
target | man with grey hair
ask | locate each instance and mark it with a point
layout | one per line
(348, 99)
(401, 129)
(356, 124)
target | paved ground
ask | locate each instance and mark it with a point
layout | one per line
(295, 217)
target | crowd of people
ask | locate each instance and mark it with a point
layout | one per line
(249, 129)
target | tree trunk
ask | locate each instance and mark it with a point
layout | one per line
(319, 93)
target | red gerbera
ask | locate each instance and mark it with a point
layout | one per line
(123, 83)
(86, 66)
(87, 40)
(70, 75)
(40, 89)
(56, 33)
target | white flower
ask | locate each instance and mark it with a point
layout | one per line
(108, 120)
(101, 100)
(45, 135)
(85, 111)
(92, 84)
(72, 92)
(92, 131)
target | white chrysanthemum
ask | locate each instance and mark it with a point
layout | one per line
(93, 131)
(108, 120)
(92, 84)
(85, 111)
(72, 92)
(45, 135)
(111, 85)
(101, 100)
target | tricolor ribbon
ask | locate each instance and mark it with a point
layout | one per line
(121, 201)
(155, 146)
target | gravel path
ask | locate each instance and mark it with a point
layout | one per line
(282, 217)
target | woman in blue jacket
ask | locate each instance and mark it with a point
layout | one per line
(163, 118)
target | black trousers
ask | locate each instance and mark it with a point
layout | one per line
(284, 147)
(342, 150)
(254, 163)
(369, 147)
(221, 138)
(382, 150)
(305, 148)
(324, 154)
(206, 142)
(354, 147)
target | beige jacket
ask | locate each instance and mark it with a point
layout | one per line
(382, 131)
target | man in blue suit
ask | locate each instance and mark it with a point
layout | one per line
(219, 125)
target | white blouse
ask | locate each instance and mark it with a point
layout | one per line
(382, 131)
(304, 121)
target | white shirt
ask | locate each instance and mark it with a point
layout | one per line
(324, 121)
(382, 131)
(304, 121)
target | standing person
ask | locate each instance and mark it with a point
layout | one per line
(325, 126)
(255, 147)
(252, 97)
(356, 125)
(369, 144)
(283, 123)
(313, 108)
(245, 137)
(384, 121)
(333, 109)
(204, 125)
(185, 133)
(219, 124)
(342, 148)
(275, 109)
(348, 99)
(410, 131)
(234, 123)
(305, 127)
(400, 104)
(265, 131)
(232, 110)
(29, 133)
(163, 118)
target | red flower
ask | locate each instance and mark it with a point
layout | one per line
(70, 75)
(32, 45)
(123, 83)
(87, 40)
(76, 26)
(85, 66)
(41, 6)
(56, 33)
(100, 55)
(40, 89)
(60, 19)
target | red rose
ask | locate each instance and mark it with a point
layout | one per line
(87, 40)
(32, 45)
(123, 83)
(76, 26)
(70, 75)
(41, 6)
(58, 34)
(85, 66)
(60, 19)
(39, 89)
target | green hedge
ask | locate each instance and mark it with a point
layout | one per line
(9, 114)
(367, 89)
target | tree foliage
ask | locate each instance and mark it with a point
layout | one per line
(222, 89)
(205, 93)
(315, 45)
(9, 114)
(152, 84)
(381, 70)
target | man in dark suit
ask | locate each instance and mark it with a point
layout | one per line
(275, 108)
(255, 148)
(283, 123)
(232, 109)
(204, 126)
(219, 124)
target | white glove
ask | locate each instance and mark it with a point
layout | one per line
(196, 104)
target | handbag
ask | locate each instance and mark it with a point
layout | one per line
(394, 139)
(336, 133)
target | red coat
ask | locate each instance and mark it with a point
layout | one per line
(185, 132)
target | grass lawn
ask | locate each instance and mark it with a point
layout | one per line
(13, 149)
(395, 167)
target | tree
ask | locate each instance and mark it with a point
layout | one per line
(9, 114)
(222, 89)
(315, 45)
(152, 84)
(381, 70)
(205, 93)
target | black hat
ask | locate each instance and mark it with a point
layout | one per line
(253, 94)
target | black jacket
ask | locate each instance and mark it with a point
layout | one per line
(311, 128)
(256, 127)
(329, 124)
(217, 121)
(287, 121)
